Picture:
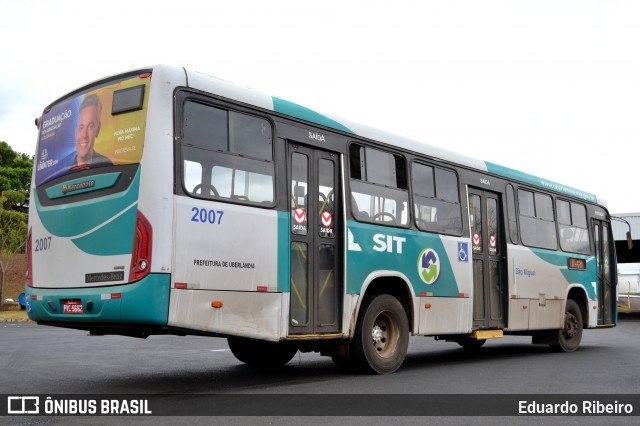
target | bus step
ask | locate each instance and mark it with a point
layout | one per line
(487, 334)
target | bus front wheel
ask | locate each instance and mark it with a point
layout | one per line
(262, 354)
(570, 336)
(382, 335)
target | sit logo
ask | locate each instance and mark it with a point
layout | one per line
(388, 243)
(429, 266)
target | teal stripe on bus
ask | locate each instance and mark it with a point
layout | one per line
(284, 253)
(298, 111)
(363, 259)
(573, 276)
(80, 218)
(539, 182)
(115, 237)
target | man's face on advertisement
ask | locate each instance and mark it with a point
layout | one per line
(86, 132)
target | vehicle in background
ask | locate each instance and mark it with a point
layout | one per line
(628, 261)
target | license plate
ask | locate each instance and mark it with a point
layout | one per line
(72, 307)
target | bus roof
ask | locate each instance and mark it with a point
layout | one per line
(253, 97)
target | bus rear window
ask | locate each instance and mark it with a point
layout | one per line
(129, 99)
(102, 126)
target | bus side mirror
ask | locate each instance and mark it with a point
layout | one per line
(629, 240)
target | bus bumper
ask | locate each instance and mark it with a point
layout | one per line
(143, 302)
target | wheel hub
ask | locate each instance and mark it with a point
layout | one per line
(376, 335)
(570, 325)
(380, 335)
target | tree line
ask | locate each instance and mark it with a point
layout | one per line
(15, 183)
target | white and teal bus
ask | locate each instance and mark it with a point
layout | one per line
(166, 201)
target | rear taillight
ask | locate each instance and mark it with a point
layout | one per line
(141, 255)
(29, 261)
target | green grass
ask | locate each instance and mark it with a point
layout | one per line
(13, 315)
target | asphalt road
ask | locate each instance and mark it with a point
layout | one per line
(44, 360)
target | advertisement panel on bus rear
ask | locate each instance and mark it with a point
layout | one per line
(101, 127)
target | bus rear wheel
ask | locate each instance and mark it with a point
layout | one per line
(382, 335)
(262, 354)
(570, 336)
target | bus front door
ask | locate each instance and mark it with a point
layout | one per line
(488, 248)
(606, 280)
(316, 231)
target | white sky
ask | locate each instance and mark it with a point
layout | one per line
(551, 88)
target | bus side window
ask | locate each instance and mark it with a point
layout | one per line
(378, 186)
(511, 209)
(436, 199)
(537, 225)
(227, 154)
(572, 226)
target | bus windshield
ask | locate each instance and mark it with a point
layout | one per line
(101, 126)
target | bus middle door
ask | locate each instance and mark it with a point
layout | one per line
(316, 234)
(488, 247)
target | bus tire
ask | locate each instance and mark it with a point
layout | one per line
(382, 335)
(571, 334)
(261, 354)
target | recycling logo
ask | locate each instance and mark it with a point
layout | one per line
(429, 266)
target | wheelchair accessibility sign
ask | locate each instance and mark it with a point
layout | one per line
(463, 252)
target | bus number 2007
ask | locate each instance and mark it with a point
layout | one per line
(43, 244)
(206, 216)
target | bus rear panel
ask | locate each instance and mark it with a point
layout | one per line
(90, 243)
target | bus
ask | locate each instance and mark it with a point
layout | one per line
(627, 243)
(167, 201)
